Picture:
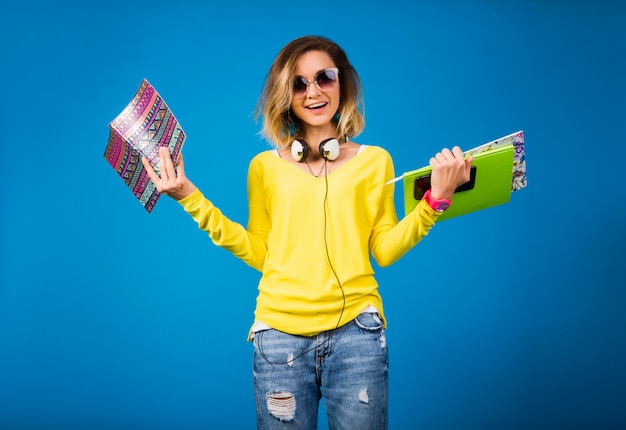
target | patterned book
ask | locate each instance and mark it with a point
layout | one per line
(143, 126)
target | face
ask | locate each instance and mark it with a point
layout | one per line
(316, 107)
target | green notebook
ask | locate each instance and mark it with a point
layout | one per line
(490, 184)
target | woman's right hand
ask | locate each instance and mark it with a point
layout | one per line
(450, 169)
(172, 182)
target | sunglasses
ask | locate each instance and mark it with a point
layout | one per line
(325, 80)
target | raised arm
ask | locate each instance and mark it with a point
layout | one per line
(391, 239)
(250, 247)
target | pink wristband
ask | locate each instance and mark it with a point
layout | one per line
(437, 205)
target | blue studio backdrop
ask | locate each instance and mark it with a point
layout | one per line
(509, 318)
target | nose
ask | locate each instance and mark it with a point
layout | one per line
(312, 89)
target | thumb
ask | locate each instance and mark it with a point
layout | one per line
(468, 162)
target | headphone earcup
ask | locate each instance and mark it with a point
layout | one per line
(329, 149)
(299, 150)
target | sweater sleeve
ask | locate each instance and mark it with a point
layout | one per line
(248, 245)
(391, 239)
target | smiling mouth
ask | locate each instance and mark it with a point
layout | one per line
(316, 106)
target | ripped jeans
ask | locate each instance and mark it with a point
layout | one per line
(348, 366)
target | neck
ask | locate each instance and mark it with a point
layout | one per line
(315, 135)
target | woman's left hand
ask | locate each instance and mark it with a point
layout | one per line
(172, 182)
(450, 170)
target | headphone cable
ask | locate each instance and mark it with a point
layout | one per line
(332, 268)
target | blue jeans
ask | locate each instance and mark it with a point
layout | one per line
(348, 366)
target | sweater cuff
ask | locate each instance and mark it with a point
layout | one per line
(430, 211)
(192, 202)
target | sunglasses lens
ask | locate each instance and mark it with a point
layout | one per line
(326, 79)
(299, 85)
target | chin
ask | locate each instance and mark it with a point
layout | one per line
(318, 122)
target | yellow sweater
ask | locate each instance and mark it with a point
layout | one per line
(290, 214)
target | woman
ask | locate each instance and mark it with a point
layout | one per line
(319, 205)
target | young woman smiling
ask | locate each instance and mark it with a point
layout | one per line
(320, 207)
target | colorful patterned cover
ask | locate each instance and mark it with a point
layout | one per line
(142, 127)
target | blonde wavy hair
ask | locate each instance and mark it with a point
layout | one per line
(280, 126)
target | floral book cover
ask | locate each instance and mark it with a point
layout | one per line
(144, 125)
(519, 158)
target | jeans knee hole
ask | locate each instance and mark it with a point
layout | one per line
(282, 405)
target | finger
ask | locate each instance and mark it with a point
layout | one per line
(447, 153)
(167, 170)
(180, 166)
(456, 151)
(149, 170)
(468, 167)
(169, 164)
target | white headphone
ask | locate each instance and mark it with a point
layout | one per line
(329, 149)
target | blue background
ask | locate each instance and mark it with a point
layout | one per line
(509, 318)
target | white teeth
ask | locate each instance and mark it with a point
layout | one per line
(319, 105)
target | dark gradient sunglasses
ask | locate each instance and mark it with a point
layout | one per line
(325, 80)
